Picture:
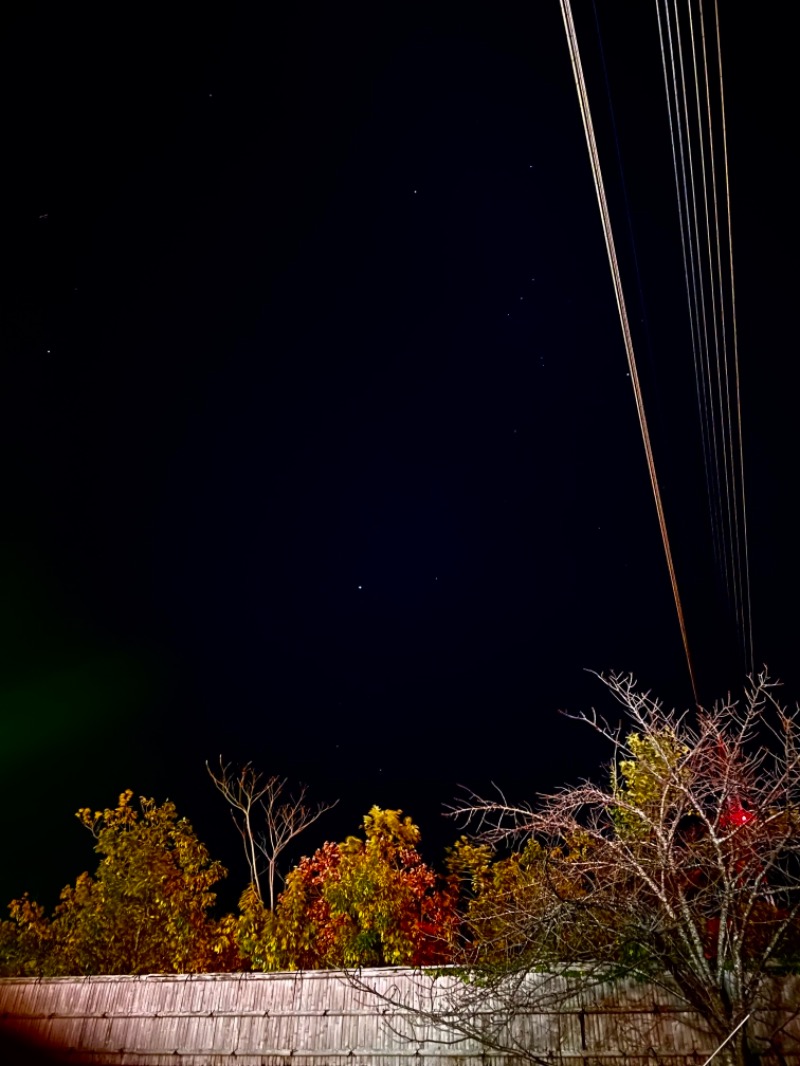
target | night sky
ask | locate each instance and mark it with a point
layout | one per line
(318, 443)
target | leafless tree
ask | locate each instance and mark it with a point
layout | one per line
(680, 870)
(267, 816)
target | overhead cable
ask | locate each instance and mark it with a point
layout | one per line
(705, 277)
(708, 440)
(749, 651)
(577, 69)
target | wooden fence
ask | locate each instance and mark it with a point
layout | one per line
(322, 1018)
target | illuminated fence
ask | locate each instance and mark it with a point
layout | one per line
(314, 1018)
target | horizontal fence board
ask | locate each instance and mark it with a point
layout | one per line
(313, 1018)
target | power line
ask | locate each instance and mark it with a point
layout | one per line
(700, 311)
(712, 292)
(577, 69)
(708, 440)
(749, 652)
(720, 335)
(728, 517)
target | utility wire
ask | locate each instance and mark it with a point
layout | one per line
(712, 290)
(728, 517)
(583, 99)
(749, 652)
(693, 237)
(646, 330)
(625, 197)
(682, 198)
(720, 333)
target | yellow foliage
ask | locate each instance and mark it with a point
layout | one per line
(145, 910)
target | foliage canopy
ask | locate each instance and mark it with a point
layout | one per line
(145, 910)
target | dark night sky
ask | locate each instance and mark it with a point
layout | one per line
(319, 446)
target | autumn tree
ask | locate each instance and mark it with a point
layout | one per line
(497, 895)
(368, 901)
(268, 817)
(681, 867)
(145, 910)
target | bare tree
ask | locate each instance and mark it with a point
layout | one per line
(267, 816)
(680, 871)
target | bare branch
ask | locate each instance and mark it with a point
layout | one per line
(683, 866)
(257, 800)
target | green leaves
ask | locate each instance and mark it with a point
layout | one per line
(368, 901)
(145, 910)
(648, 780)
